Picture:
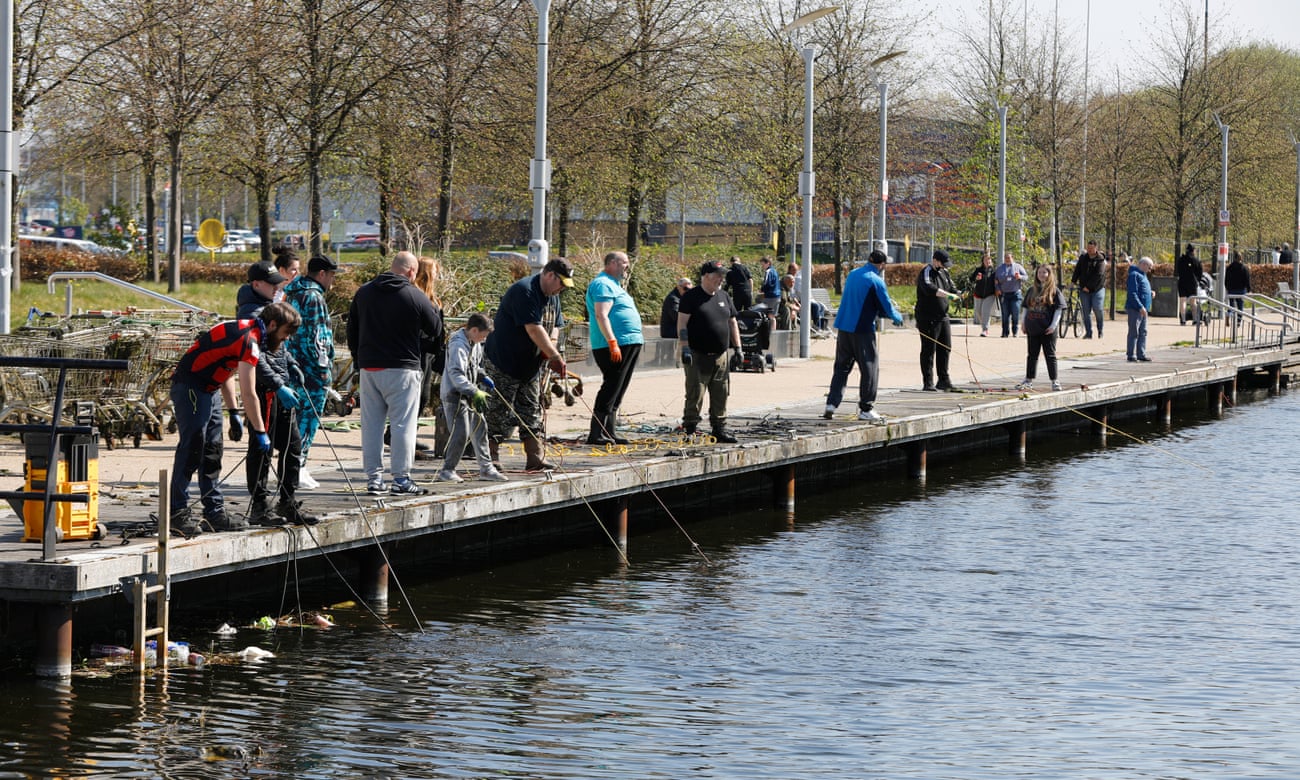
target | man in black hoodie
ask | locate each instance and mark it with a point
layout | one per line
(391, 323)
(1090, 277)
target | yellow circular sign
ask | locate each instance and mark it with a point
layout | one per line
(212, 234)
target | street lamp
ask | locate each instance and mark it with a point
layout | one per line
(933, 176)
(1295, 255)
(1002, 181)
(539, 172)
(807, 183)
(1223, 210)
(884, 141)
(6, 160)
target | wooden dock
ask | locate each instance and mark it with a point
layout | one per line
(778, 444)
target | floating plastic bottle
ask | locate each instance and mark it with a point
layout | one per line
(109, 651)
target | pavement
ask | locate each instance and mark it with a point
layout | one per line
(654, 401)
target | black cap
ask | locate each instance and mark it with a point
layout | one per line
(941, 256)
(264, 272)
(561, 268)
(321, 263)
(711, 267)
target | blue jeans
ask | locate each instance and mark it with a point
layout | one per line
(1010, 313)
(1137, 334)
(199, 448)
(1093, 302)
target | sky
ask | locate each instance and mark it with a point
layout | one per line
(1120, 30)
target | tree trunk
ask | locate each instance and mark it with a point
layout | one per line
(314, 227)
(175, 229)
(151, 218)
(446, 160)
(839, 243)
(262, 193)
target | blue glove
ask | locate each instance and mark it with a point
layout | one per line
(898, 320)
(262, 441)
(686, 356)
(487, 382)
(288, 398)
(236, 426)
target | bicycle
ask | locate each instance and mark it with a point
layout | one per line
(1070, 319)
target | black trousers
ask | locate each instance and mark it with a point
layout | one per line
(615, 379)
(936, 345)
(286, 443)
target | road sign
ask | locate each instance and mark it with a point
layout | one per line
(212, 234)
(1225, 218)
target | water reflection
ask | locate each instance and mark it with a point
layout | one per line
(1100, 613)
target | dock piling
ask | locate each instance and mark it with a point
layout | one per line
(54, 641)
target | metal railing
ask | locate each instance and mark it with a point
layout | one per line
(68, 276)
(1231, 325)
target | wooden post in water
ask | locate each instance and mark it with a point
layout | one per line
(1275, 379)
(620, 523)
(1167, 409)
(54, 640)
(1101, 423)
(784, 488)
(1214, 393)
(1017, 437)
(373, 576)
(916, 453)
(1230, 390)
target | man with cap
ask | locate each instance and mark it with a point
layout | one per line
(668, 312)
(391, 324)
(276, 375)
(616, 341)
(706, 328)
(933, 289)
(521, 343)
(865, 298)
(313, 347)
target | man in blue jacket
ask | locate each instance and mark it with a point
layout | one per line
(1138, 307)
(865, 298)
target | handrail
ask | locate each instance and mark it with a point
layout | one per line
(103, 277)
(1222, 324)
(1289, 312)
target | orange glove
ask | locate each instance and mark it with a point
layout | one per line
(615, 354)
(557, 365)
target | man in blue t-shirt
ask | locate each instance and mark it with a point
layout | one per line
(516, 351)
(865, 298)
(615, 332)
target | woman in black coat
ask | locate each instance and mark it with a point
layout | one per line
(1187, 270)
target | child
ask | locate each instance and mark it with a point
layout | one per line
(463, 401)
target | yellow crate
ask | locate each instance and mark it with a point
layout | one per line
(74, 521)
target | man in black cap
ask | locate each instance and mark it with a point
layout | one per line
(933, 289)
(264, 281)
(706, 327)
(521, 342)
(313, 347)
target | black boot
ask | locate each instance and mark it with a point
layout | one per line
(262, 515)
(292, 512)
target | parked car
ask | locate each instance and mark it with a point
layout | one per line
(27, 241)
(244, 240)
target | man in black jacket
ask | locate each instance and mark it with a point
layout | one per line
(391, 324)
(933, 289)
(1090, 277)
(739, 284)
(668, 312)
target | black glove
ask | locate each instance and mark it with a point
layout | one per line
(686, 356)
(236, 425)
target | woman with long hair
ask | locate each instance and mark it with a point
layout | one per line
(1043, 307)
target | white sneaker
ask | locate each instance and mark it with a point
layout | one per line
(1025, 385)
(870, 415)
(1056, 385)
(305, 481)
(449, 476)
(492, 475)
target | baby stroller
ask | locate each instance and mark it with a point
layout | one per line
(755, 340)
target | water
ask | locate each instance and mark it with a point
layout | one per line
(1105, 613)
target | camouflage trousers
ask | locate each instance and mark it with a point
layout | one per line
(514, 403)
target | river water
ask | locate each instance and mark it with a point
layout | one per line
(1117, 612)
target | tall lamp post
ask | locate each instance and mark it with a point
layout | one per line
(807, 182)
(884, 145)
(1295, 266)
(1002, 182)
(539, 172)
(933, 176)
(6, 163)
(1223, 210)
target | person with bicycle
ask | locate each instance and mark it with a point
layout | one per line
(1090, 277)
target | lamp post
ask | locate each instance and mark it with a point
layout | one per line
(539, 172)
(6, 164)
(807, 182)
(1002, 182)
(884, 144)
(1295, 253)
(1223, 210)
(933, 176)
